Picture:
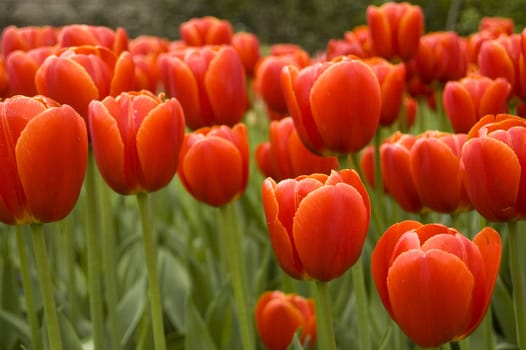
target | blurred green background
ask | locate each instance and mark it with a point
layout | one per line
(310, 23)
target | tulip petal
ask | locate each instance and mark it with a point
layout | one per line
(52, 158)
(329, 229)
(159, 140)
(430, 294)
(459, 107)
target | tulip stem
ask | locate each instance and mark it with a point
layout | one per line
(153, 280)
(234, 250)
(361, 305)
(324, 326)
(93, 253)
(46, 286)
(29, 293)
(518, 278)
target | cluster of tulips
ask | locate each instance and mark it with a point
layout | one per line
(389, 164)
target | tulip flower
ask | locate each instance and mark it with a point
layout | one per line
(285, 156)
(441, 56)
(83, 34)
(78, 75)
(349, 45)
(492, 163)
(392, 84)
(335, 105)
(434, 282)
(248, 48)
(4, 84)
(209, 82)
(435, 169)
(43, 152)
(497, 25)
(267, 78)
(207, 155)
(279, 316)
(502, 57)
(396, 29)
(22, 67)
(206, 30)
(469, 99)
(26, 38)
(395, 168)
(317, 223)
(136, 138)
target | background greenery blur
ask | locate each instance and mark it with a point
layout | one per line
(310, 23)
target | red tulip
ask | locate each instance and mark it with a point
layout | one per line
(22, 67)
(4, 84)
(497, 25)
(279, 316)
(83, 34)
(502, 57)
(492, 162)
(441, 56)
(395, 168)
(349, 45)
(206, 30)
(435, 283)
(392, 84)
(267, 78)
(148, 44)
(208, 81)
(317, 223)
(136, 138)
(78, 75)
(210, 153)
(335, 105)
(469, 99)
(43, 157)
(285, 156)
(26, 38)
(435, 169)
(247, 47)
(396, 29)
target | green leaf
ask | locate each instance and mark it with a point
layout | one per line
(131, 308)
(15, 323)
(197, 335)
(503, 310)
(176, 286)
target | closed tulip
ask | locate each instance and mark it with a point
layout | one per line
(26, 38)
(136, 138)
(43, 157)
(434, 282)
(395, 153)
(317, 223)
(83, 34)
(441, 56)
(469, 99)
(502, 57)
(206, 30)
(285, 156)
(78, 75)
(335, 105)
(209, 82)
(248, 48)
(435, 169)
(210, 153)
(492, 164)
(279, 316)
(392, 84)
(396, 29)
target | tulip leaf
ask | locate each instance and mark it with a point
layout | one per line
(219, 316)
(175, 288)
(70, 339)
(130, 309)
(197, 335)
(15, 323)
(503, 310)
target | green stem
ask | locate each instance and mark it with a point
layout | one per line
(93, 253)
(483, 338)
(324, 326)
(46, 286)
(362, 306)
(234, 250)
(69, 247)
(153, 280)
(518, 277)
(108, 259)
(29, 293)
(463, 344)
